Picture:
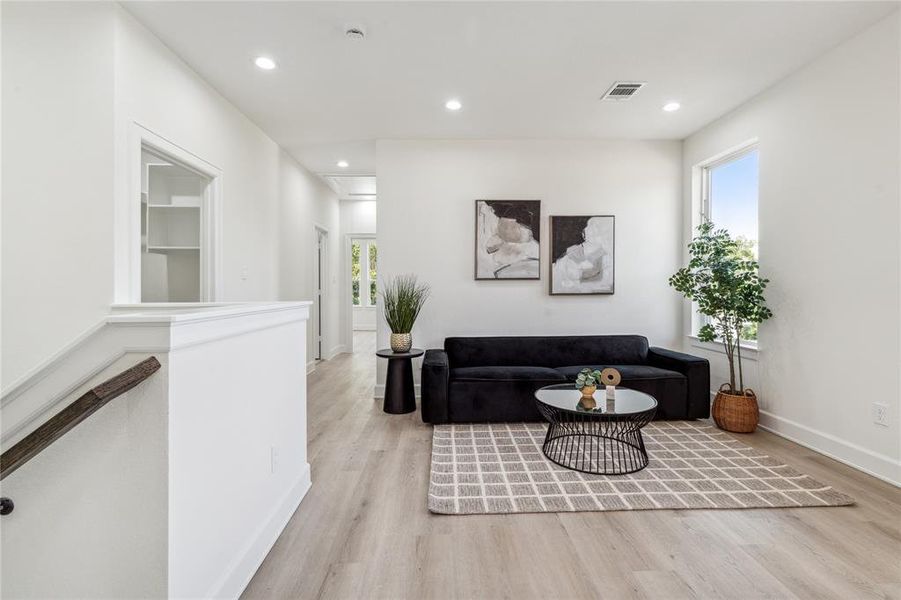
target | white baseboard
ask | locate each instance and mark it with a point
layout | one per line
(242, 570)
(339, 349)
(872, 463)
(862, 459)
(311, 366)
(379, 392)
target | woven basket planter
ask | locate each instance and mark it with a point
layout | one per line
(735, 412)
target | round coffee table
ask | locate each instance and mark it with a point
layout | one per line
(604, 439)
(400, 397)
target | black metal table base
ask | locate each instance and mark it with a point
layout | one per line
(596, 443)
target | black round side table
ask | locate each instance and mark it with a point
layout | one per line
(400, 396)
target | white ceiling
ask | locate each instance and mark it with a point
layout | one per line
(352, 187)
(521, 69)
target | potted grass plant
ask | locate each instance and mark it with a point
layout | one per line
(722, 279)
(403, 298)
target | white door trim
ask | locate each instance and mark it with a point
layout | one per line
(320, 291)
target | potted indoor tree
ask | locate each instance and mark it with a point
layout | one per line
(722, 279)
(402, 298)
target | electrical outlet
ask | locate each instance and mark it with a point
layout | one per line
(244, 273)
(273, 458)
(880, 414)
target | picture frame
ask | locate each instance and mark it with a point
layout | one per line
(582, 255)
(507, 240)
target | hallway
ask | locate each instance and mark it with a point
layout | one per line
(364, 343)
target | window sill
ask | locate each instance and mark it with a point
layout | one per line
(748, 352)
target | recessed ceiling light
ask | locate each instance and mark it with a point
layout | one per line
(671, 106)
(453, 104)
(264, 62)
(343, 164)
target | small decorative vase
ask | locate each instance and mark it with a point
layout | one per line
(736, 412)
(588, 392)
(401, 342)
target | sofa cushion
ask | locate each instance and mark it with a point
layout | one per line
(494, 400)
(506, 374)
(627, 371)
(547, 351)
(497, 393)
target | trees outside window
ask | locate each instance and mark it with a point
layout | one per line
(373, 259)
(364, 272)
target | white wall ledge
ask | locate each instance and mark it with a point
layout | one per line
(149, 329)
(747, 352)
(193, 312)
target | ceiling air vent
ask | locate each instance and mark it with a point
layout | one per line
(622, 90)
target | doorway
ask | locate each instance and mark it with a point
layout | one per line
(363, 281)
(320, 279)
(363, 288)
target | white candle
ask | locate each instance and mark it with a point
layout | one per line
(611, 392)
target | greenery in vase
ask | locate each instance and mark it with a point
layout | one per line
(723, 279)
(403, 297)
(588, 378)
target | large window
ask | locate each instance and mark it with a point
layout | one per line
(363, 262)
(729, 200)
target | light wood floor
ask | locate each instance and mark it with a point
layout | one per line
(363, 530)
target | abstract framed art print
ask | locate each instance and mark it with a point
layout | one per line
(508, 239)
(582, 255)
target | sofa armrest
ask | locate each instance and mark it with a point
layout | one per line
(435, 379)
(695, 369)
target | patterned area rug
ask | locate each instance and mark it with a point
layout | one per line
(500, 468)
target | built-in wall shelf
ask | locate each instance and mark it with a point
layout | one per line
(171, 216)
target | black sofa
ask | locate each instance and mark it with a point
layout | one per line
(493, 379)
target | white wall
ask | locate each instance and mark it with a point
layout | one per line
(179, 488)
(357, 218)
(96, 498)
(76, 76)
(426, 212)
(306, 201)
(829, 243)
(238, 448)
(157, 90)
(57, 138)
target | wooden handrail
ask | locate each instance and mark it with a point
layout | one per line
(79, 410)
